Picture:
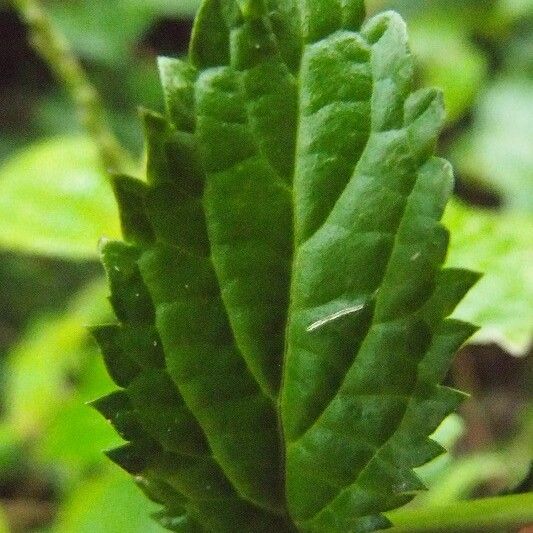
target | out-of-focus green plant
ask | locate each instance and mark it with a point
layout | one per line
(108, 503)
(496, 152)
(52, 355)
(55, 200)
(505, 464)
(499, 244)
(52, 372)
(108, 32)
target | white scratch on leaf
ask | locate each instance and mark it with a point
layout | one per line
(334, 316)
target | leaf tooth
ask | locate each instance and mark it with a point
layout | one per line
(417, 453)
(448, 338)
(319, 19)
(196, 478)
(410, 445)
(119, 365)
(353, 14)
(161, 492)
(178, 523)
(172, 156)
(116, 408)
(392, 67)
(129, 298)
(156, 131)
(177, 79)
(424, 119)
(136, 346)
(209, 45)
(132, 457)
(252, 10)
(130, 194)
(451, 286)
(164, 415)
(419, 102)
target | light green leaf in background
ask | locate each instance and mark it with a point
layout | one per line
(514, 9)
(39, 366)
(4, 528)
(55, 200)
(429, 36)
(497, 153)
(168, 7)
(501, 246)
(106, 31)
(110, 504)
(447, 435)
(59, 448)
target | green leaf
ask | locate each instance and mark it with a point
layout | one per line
(170, 453)
(500, 245)
(170, 8)
(496, 153)
(429, 36)
(447, 435)
(515, 9)
(55, 200)
(4, 527)
(38, 385)
(286, 254)
(111, 502)
(91, 26)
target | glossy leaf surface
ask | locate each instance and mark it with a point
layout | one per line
(281, 300)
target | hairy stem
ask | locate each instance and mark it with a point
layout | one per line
(486, 514)
(53, 47)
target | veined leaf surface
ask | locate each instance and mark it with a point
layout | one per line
(282, 304)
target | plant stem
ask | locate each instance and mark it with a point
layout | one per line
(486, 514)
(53, 47)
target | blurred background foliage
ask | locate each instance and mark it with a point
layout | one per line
(55, 203)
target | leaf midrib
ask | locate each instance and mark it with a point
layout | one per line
(285, 442)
